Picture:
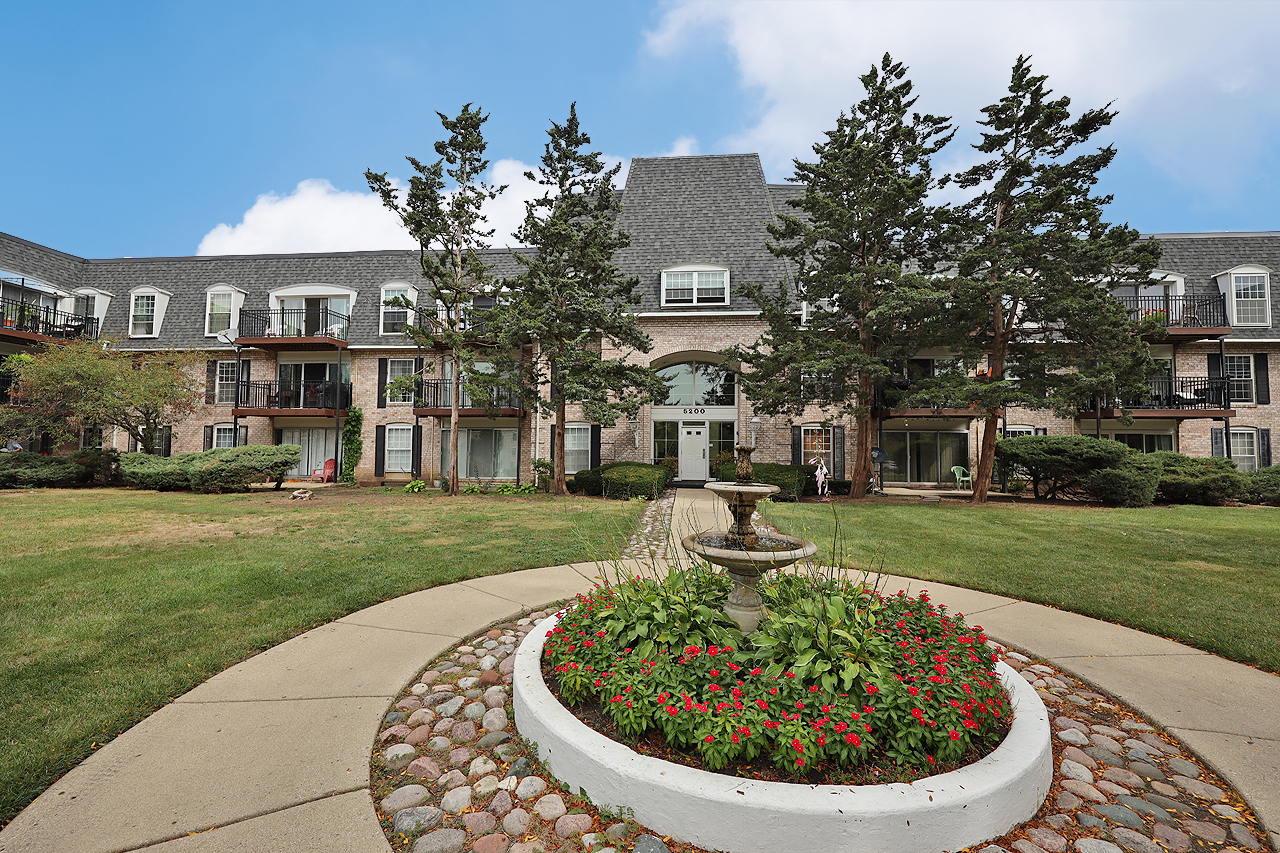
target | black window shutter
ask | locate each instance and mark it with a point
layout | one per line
(553, 442)
(796, 450)
(416, 464)
(382, 384)
(837, 452)
(1264, 448)
(168, 441)
(380, 450)
(1215, 366)
(279, 437)
(208, 438)
(133, 444)
(211, 382)
(244, 436)
(595, 445)
(1042, 431)
(418, 364)
(1217, 442)
(1260, 382)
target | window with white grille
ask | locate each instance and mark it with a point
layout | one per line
(226, 382)
(577, 448)
(1250, 299)
(1239, 369)
(144, 315)
(695, 287)
(399, 368)
(1244, 448)
(399, 449)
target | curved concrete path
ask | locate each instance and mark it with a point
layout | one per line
(273, 753)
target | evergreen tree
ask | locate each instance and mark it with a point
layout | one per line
(571, 299)
(1033, 262)
(449, 229)
(862, 223)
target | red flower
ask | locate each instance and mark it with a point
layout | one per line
(791, 675)
(799, 704)
(853, 739)
(757, 671)
(913, 690)
(672, 710)
(872, 689)
(714, 687)
(800, 762)
(955, 735)
(733, 738)
(715, 673)
(764, 706)
(813, 689)
(840, 727)
(709, 738)
(797, 745)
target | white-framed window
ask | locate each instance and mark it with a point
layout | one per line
(577, 448)
(695, 284)
(399, 449)
(84, 305)
(91, 438)
(143, 323)
(217, 312)
(483, 454)
(394, 319)
(816, 443)
(1250, 299)
(397, 368)
(1239, 370)
(226, 382)
(224, 435)
(1018, 430)
(1244, 448)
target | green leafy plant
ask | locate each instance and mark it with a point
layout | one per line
(1210, 482)
(922, 690)
(415, 487)
(1264, 486)
(352, 445)
(473, 489)
(544, 470)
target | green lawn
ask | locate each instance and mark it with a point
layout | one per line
(114, 601)
(1205, 576)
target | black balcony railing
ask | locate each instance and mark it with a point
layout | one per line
(1180, 311)
(42, 320)
(1182, 392)
(307, 394)
(438, 394)
(293, 323)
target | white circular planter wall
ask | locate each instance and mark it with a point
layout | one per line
(940, 813)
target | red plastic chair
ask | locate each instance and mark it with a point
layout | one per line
(326, 473)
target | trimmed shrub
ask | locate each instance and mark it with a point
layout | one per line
(635, 479)
(224, 469)
(1264, 486)
(25, 470)
(232, 469)
(592, 483)
(1059, 465)
(794, 480)
(1210, 482)
(99, 466)
(144, 471)
(1132, 483)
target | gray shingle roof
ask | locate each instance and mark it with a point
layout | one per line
(1199, 257)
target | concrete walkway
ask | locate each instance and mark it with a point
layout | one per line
(273, 753)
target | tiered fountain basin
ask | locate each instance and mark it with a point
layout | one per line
(719, 812)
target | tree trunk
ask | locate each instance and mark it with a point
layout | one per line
(455, 404)
(862, 457)
(559, 484)
(986, 457)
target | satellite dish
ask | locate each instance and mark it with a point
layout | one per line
(878, 455)
(228, 336)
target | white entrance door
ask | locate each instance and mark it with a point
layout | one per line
(693, 450)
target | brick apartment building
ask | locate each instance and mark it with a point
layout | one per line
(304, 337)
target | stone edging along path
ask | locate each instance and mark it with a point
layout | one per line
(1118, 783)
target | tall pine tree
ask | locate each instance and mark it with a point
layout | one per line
(1033, 261)
(861, 224)
(571, 298)
(449, 229)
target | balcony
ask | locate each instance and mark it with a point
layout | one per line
(1172, 397)
(271, 399)
(1191, 317)
(434, 398)
(28, 322)
(293, 328)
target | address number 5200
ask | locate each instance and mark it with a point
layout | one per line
(695, 411)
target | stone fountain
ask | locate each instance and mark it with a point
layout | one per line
(744, 554)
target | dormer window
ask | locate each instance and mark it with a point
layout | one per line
(695, 284)
(222, 306)
(147, 307)
(394, 318)
(1248, 291)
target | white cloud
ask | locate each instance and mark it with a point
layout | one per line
(683, 147)
(1185, 76)
(315, 217)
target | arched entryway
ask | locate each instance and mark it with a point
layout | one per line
(698, 420)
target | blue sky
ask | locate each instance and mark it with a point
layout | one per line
(143, 129)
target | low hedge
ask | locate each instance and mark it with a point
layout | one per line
(24, 469)
(795, 481)
(1132, 483)
(1062, 466)
(1264, 486)
(634, 480)
(1208, 481)
(591, 482)
(224, 469)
